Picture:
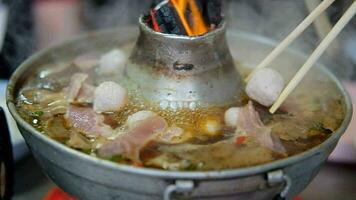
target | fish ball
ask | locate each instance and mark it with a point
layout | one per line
(265, 86)
(109, 97)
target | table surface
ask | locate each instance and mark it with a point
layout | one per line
(334, 181)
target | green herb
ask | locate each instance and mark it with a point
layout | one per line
(37, 114)
(320, 128)
(117, 158)
(86, 151)
(188, 165)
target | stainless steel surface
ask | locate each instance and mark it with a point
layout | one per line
(90, 178)
(181, 71)
(278, 177)
(334, 181)
(181, 187)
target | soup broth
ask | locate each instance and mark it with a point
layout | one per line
(202, 140)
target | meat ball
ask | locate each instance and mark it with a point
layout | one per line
(112, 62)
(109, 97)
(139, 116)
(231, 116)
(265, 86)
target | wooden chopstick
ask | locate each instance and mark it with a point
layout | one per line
(292, 36)
(344, 20)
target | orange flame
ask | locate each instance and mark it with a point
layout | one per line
(198, 26)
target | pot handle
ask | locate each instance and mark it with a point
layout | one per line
(179, 187)
(277, 177)
(6, 159)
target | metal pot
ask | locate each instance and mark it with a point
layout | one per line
(179, 70)
(88, 177)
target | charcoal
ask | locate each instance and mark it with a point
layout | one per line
(213, 11)
(169, 21)
(155, 3)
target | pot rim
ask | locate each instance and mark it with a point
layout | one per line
(158, 173)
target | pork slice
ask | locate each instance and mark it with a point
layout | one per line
(249, 121)
(78, 90)
(131, 143)
(86, 121)
(76, 83)
(86, 94)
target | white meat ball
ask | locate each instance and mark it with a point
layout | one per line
(109, 97)
(265, 86)
(112, 62)
(139, 116)
(231, 116)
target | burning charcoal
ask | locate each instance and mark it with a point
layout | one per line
(154, 22)
(168, 20)
(155, 3)
(213, 10)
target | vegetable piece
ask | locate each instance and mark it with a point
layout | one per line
(265, 86)
(231, 116)
(79, 141)
(175, 135)
(133, 119)
(109, 97)
(240, 140)
(112, 62)
(55, 128)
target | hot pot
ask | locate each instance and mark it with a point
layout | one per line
(88, 177)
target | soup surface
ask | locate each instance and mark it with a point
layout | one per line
(59, 101)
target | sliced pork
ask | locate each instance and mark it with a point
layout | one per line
(76, 82)
(130, 143)
(86, 94)
(109, 97)
(86, 121)
(79, 91)
(249, 122)
(139, 116)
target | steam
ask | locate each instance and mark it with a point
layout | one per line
(273, 19)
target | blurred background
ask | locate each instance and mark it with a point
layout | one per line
(27, 26)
